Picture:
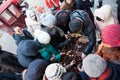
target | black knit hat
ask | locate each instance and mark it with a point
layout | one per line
(63, 17)
(75, 25)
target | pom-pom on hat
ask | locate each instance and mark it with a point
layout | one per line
(94, 65)
(42, 36)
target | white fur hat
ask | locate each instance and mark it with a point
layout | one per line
(48, 20)
(54, 71)
(94, 65)
(42, 36)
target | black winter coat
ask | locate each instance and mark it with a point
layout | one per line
(87, 30)
(85, 5)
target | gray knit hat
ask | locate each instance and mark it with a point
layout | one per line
(48, 20)
(94, 65)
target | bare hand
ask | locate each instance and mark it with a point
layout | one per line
(52, 58)
(62, 53)
(72, 62)
(79, 67)
(83, 56)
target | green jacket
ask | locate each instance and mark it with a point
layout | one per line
(47, 51)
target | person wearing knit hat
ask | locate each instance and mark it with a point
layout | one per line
(35, 70)
(48, 20)
(58, 39)
(27, 51)
(63, 19)
(96, 68)
(81, 23)
(94, 65)
(21, 34)
(54, 71)
(47, 51)
(32, 21)
(104, 17)
(110, 46)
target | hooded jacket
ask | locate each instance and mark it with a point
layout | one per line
(105, 13)
(114, 73)
(87, 30)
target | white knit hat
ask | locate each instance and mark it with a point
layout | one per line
(54, 71)
(48, 20)
(94, 65)
(42, 36)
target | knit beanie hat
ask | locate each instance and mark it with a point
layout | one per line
(63, 17)
(36, 69)
(28, 47)
(48, 20)
(76, 25)
(111, 35)
(54, 71)
(42, 36)
(94, 65)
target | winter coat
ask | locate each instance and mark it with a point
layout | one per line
(10, 60)
(26, 36)
(105, 13)
(58, 39)
(85, 5)
(114, 73)
(118, 10)
(47, 51)
(10, 76)
(31, 24)
(87, 30)
(52, 4)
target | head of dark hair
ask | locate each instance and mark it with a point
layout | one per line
(71, 76)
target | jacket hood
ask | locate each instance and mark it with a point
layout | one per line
(105, 13)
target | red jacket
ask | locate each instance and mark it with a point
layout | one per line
(53, 4)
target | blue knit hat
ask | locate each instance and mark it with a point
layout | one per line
(36, 69)
(24, 60)
(28, 47)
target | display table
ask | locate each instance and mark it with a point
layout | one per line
(10, 16)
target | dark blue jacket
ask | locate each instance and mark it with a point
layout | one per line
(87, 30)
(19, 38)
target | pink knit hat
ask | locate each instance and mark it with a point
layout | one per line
(111, 35)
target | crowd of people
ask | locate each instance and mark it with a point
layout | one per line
(39, 45)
